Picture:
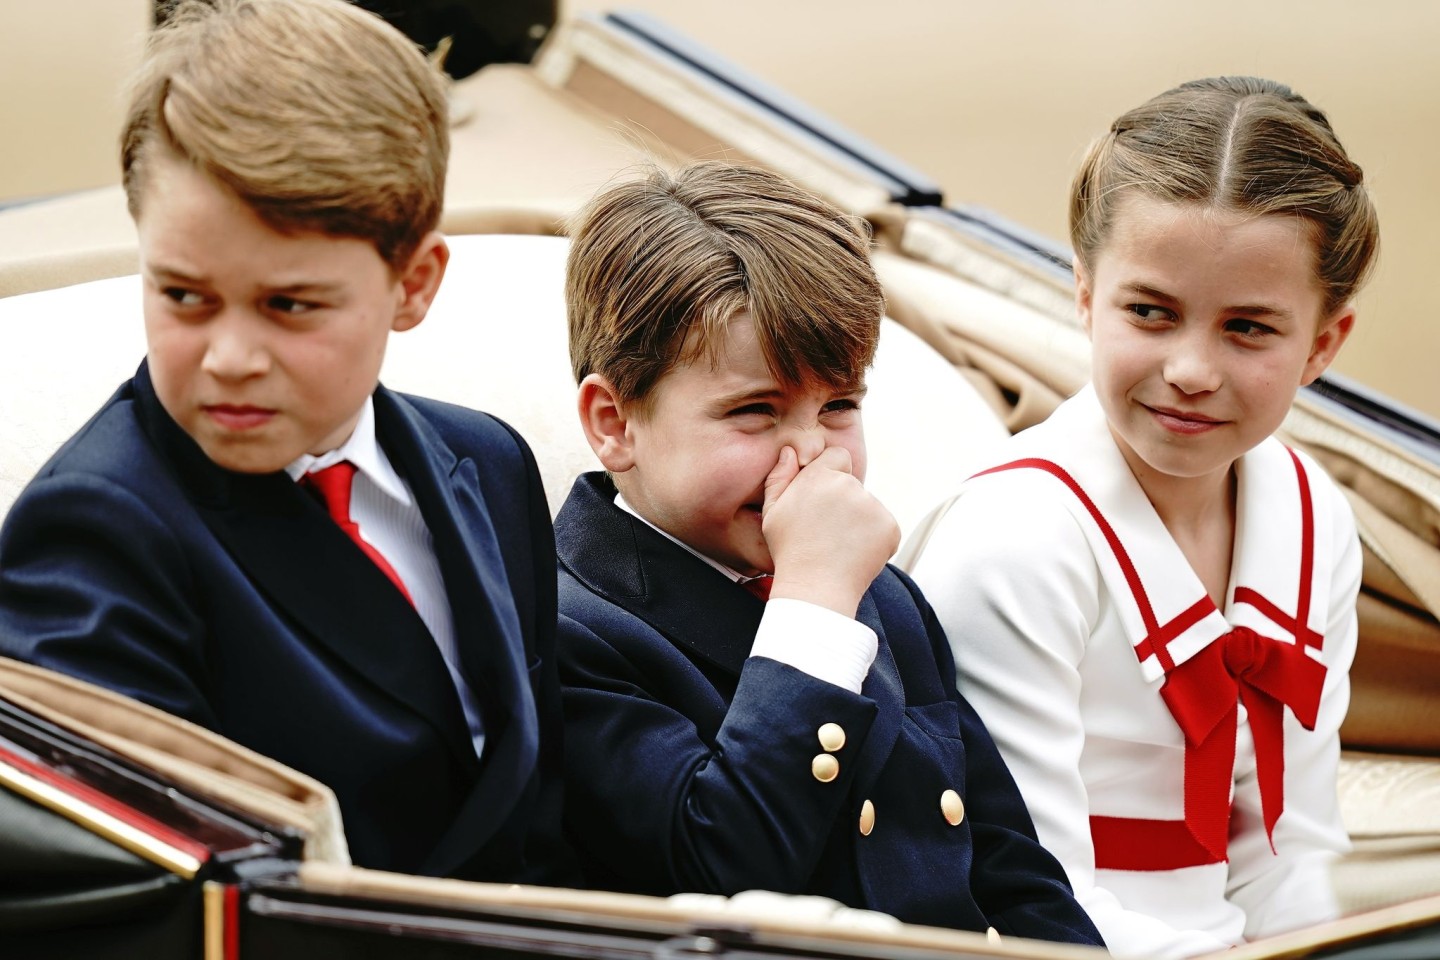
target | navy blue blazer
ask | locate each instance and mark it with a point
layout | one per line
(689, 762)
(135, 562)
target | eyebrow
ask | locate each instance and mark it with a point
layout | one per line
(748, 396)
(311, 287)
(740, 397)
(1244, 309)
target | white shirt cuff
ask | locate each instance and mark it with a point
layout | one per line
(816, 640)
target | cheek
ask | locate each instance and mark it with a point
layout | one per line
(854, 442)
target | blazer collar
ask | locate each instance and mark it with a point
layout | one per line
(619, 557)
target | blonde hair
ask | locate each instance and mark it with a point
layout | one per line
(1242, 143)
(316, 113)
(658, 266)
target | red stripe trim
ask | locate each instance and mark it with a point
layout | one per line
(232, 922)
(1307, 546)
(1130, 843)
(1303, 634)
(1132, 577)
(1158, 641)
(108, 805)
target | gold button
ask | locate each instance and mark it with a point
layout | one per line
(832, 736)
(952, 807)
(825, 767)
(867, 818)
(992, 935)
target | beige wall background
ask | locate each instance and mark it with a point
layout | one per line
(995, 101)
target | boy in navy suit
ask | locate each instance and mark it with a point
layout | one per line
(721, 323)
(251, 533)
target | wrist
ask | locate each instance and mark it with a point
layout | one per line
(832, 593)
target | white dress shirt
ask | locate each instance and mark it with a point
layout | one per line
(382, 506)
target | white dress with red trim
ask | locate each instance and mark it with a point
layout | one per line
(1178, 759)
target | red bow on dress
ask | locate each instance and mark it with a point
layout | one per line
(1203, 694)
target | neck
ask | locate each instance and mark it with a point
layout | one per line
(1199, 513)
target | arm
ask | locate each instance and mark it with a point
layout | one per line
(94, 583)
(672, 789)
(1293, 889)
(1015, 588)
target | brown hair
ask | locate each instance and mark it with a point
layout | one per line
(1242, 143)
(316, 113)
(660, 264)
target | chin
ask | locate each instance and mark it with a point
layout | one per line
(246, 461)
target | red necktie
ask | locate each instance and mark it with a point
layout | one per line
(759, 586)
(333, 484)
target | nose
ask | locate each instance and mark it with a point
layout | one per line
(1192, 366)
(234, 349)
(808, 441)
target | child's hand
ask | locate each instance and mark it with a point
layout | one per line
(827, 535)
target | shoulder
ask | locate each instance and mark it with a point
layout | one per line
(110, 453)
(1021, 521)
(466, 429)
(1325, 492)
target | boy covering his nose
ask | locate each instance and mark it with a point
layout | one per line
(721, 323)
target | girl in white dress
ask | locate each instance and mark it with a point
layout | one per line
(1151, 599)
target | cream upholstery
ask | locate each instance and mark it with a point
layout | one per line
(495, 339)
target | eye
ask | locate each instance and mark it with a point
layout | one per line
(182, 297)
(1249, 329)
(1149, 313)
(841, 405)
(289, 305)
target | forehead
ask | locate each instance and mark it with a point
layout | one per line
(1187, 246)
(731, 360)
(189, 223)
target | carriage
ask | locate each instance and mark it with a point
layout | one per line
(124, 832)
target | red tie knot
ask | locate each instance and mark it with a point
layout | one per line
(1244, 649)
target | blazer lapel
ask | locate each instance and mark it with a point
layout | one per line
(487, 626)
(312, 572)
(622, 559)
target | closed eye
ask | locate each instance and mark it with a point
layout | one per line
(753, 409)
(183, 297)
(841, 404)
(289, 305)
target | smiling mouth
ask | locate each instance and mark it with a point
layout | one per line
(1183, 421)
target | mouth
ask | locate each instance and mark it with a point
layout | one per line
(1183, 421)
(238, 417)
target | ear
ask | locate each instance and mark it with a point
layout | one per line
(1084, 293)
(420, 280)
(606, 424)
(1333, 333)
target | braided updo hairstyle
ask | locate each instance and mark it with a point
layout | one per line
(1239, 143)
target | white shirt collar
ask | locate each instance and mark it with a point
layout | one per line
(734, 576)
(363, 450)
